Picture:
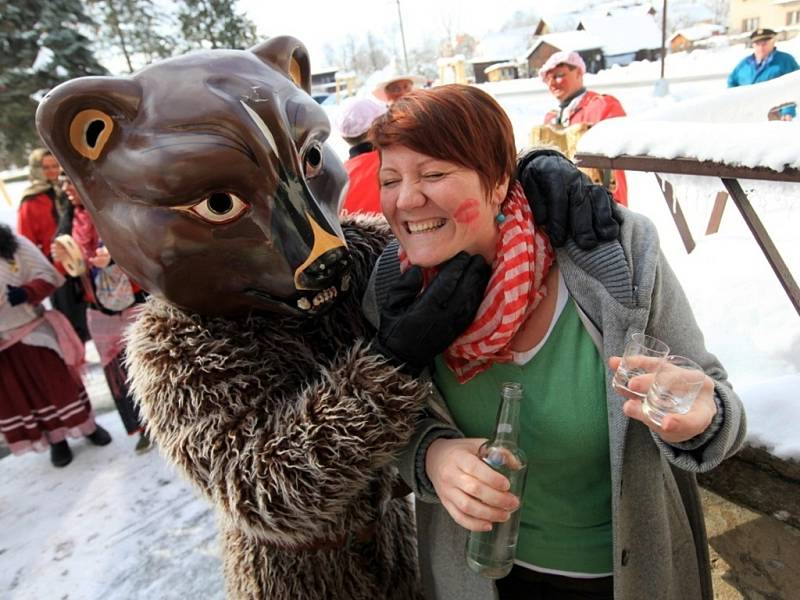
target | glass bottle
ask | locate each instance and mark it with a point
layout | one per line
(491, 553)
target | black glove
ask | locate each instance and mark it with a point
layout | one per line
(414, 329)
(16, 295)
(564, 200)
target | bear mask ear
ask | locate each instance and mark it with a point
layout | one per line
(79, 116)
(289, 55)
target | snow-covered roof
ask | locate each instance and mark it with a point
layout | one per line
(568, 40)
(503, 45)
(728, 127)
(699, 32)
(624, 33)
(562, 21)
(502, 65)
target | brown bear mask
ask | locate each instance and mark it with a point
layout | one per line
(208, 178)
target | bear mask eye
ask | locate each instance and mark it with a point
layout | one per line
(312, 161)
(220, 208)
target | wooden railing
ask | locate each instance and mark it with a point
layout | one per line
(730, 176)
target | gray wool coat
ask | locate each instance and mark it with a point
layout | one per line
(659, 541)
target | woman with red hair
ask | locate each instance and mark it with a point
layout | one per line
(554, 320)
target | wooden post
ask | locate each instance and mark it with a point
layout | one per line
(677, 214)
(716, 213)
(4, 192)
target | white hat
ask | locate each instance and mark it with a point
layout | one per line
(380, 89)
(562, 57)
(356, 116)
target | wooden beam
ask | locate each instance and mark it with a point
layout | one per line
(674, 208)
(764, 241)
(684, 166)
(716, 213)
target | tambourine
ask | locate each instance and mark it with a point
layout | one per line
(74, 264)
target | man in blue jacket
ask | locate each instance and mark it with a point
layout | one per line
(764, 63)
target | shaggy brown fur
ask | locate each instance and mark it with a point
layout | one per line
(288, 427)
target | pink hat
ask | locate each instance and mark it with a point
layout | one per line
(562, 58)
(356, 115)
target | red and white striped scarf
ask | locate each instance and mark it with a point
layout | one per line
(515, 289)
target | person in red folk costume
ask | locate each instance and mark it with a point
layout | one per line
(38, 217)
(354, 120)
(113, 302)
(563, 74)
(43, 400)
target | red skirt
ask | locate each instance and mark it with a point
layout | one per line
(40, 403)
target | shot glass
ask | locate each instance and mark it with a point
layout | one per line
(643, 354)
(676, 385)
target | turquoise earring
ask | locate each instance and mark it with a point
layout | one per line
(500, 218)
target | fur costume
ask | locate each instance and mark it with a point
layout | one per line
(289, 428)
(209, 180)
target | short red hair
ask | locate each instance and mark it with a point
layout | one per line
(457, 123)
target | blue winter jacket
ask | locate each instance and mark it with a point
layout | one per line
(776, 64)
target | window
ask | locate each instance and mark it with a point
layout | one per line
(793, 17)
(750, 24)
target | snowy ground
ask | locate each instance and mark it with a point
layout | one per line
(112, 525)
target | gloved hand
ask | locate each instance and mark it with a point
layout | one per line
(564, 200)
(414, 329)
(16, 295)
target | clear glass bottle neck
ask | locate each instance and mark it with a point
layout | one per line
(507, 428)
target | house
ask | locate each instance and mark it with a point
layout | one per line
(686, 39)
(747, 15)
(626, 37)
(452, 69)
(590, 48)
(501, 47)
(502, 71)
(324, 80)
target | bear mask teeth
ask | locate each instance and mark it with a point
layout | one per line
(319, 299)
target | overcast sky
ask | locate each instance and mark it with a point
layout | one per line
(317, 22)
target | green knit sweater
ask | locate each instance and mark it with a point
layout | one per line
(566, 512)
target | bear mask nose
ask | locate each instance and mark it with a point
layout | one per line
(327, 261)
(325, 271)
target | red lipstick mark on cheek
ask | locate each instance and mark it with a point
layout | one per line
(467, 212)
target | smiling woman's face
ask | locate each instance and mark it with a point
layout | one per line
(437, 208)
(50, 168)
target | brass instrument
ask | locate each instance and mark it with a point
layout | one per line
(565, 140)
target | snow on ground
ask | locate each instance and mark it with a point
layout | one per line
(111, 525)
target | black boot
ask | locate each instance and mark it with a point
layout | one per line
(60, 454)
(144, 444)
(99, 437)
